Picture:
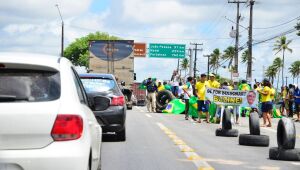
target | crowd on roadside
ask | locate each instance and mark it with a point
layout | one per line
(288, 97)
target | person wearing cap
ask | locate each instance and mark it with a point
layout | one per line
(201, 90)
(151, 94)
(212, 83)
(244, 86)
(266, 102)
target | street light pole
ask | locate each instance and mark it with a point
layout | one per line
(62, 32)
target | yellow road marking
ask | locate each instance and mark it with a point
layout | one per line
(199, 161)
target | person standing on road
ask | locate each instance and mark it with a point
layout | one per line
(297, 102)
(151, 95)
(272, 95)
(160, 87)
(188, 92)
(266, 102)
(291, 100)
(180, 91)
(201, 90)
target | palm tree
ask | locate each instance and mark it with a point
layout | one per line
(295, 70)
(215, 60)
(282, 45)
(271, 73)
(184, 65)
(277, 64)
(229, 55)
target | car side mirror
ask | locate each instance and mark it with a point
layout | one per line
(100, 103)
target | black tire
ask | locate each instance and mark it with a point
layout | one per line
(254, 123)
(163, 98)
(227, 132)
(284, 154)
(286, 134)
(122, 135)
(254, 140)
(226, 122)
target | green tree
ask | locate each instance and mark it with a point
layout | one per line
(294, 69)
(78, 51)
(215, 60)
(282, 44)
(184, 65)
(271, 73)
(228, 55)
(277, 64)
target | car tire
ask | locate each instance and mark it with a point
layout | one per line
(254, 140)
(226, 122)
(286, 134)
(227, 132)
(122, 135)
(276, 153)
(162, 97)
(129, 108)
(254, 124)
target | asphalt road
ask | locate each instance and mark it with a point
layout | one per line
(158, 141)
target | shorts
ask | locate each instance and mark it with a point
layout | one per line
(202, 106)
(266, 106)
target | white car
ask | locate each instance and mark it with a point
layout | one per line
(45, 120)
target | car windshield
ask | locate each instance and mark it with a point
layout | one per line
(98, 84)
(29, 85)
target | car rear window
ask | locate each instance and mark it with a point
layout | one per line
(29, 85)
(98, 84)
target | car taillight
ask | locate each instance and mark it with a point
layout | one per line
(67, 127)
(117, 101)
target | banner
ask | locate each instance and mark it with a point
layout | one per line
(233, 97)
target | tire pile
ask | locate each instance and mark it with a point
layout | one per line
(162, 99)
(286, 139)
(254, 138)
(226, 129)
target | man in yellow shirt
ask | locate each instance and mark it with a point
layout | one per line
(201, 90)
(160, 87)
(212, 83)
(266, 102)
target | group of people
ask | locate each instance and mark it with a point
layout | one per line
(197, 87)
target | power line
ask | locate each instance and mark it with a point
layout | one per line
(279, 24)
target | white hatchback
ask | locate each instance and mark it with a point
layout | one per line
(45, 120)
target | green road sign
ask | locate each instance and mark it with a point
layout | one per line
(167, 50)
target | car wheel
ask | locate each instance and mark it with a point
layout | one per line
(254, 140)
(122, 135)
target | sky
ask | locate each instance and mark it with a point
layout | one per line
(35, 25)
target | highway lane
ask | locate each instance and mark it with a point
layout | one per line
(151, 145)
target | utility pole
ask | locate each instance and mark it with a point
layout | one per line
(191, 61)
(208, 57)
(62, 32)
(249, 71)
(238, 16)
(195, 61)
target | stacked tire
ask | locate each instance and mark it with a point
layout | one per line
(254, 138)
(286, 139)
(226, 129)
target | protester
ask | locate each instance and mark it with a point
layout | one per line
(297, 102)
(266, 103)
(284, 105)
(291, 100)
(160, 87)
(167, 86)
(188, 92)
(151, 95)
(212, 83)
(180, 91)
(272, 95)
(201, 90)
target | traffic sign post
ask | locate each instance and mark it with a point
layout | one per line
(167, 50)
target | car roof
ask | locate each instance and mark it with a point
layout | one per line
(97, 75)
(30, 59)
